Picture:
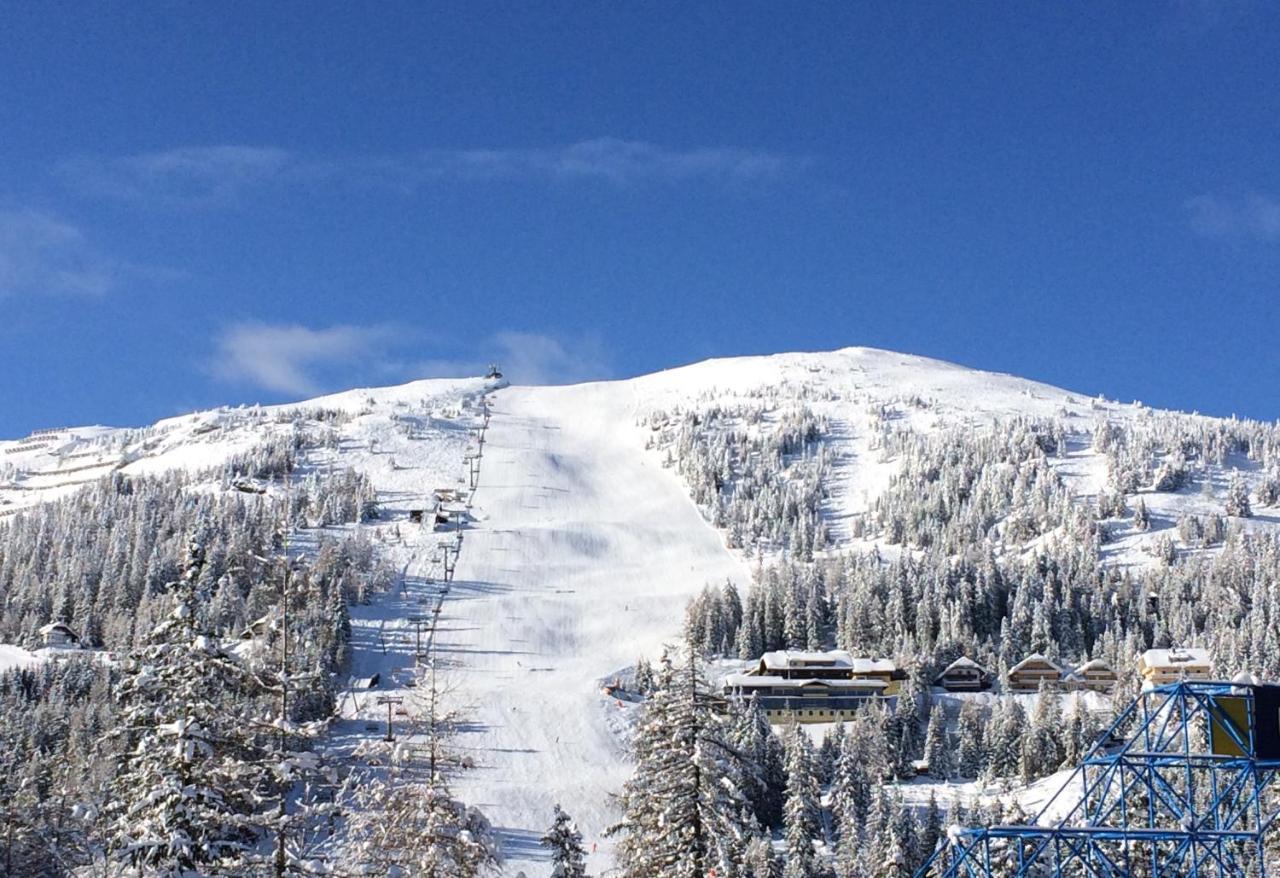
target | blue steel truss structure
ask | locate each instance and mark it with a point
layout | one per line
(1178, 787)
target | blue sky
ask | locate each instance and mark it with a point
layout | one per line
(209, 203)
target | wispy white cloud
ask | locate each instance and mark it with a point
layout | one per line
(528, 358)
(203, 176)
(609, 159)
(41, 254)
(190, 175)
(300, 360)
(537, 358)
(292, 358)
(1254, 216)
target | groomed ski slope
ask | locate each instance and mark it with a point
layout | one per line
(582, 556)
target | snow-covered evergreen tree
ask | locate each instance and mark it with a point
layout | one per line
(802, 814)
(643, 679)
(971, 754)
(765, 760)
(1237, 502)
(404, 824)
(1079, 731)
(931, 830)
(190, 795)
(1005, 733)
(684, 810)
(568, 858)
(937, 746)
(759, 859)
(850, 790)
(1141, 517)
(893, 860)
(1042, 749)
(904, 736)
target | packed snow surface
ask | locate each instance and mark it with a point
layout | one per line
(16, 657)
(584, 556)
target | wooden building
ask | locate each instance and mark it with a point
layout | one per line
(964, 675)
(1028, 674)
(883, 670)
(1160, 666)
(1095, 675)
(59, 635)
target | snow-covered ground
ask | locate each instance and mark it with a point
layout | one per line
(582, 561)
(50, 464)
(580, 552)
(924, 395)
(17, 657)
(582, 549)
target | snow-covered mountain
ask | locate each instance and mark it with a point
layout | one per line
(583, 542)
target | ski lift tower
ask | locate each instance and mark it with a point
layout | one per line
(1180, 786)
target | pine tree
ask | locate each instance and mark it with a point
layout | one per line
(731, 601)
(930, 828)
(1042, 749)
(802, 815)
(1141, 518)
(879, 818)
(849, 856)
(1006, 729)
(764, 760)
(683, 810)
(404, 824)
(1268, 491)
(568, 859)
(1078, 733)
(904, 736)
(1237, 502)
(643, 676)
(937, 747)
(850, 789)
(759, 859)
(971, 754)
(189, 796)
(892, 860)
(904, 832)
(828, 752)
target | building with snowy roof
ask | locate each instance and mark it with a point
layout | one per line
(814, 686)
(1028, 674)
(1160, 666)
(964, 675)
(1094, 675)
(59, 635)
(833, 664)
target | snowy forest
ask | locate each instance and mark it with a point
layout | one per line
(194, 731)
(751, 800)
(183, 739)
(980, 546)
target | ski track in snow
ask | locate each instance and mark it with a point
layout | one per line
(584, 560)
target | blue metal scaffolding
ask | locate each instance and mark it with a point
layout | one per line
(1178, 787)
